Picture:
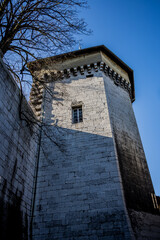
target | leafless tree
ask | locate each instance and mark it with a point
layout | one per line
(30, 29)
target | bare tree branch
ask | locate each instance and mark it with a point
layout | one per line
(33, 28)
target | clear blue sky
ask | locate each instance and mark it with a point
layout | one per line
(131, 29)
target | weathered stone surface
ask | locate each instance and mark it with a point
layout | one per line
(17, 162)
(137, 182)
(145, 225)
(96, 169)
(93, 181)
(79, 191)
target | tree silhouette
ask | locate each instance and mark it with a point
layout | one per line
(30, 29)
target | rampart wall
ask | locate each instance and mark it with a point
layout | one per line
(17, 161)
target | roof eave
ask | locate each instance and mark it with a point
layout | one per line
(38, 63)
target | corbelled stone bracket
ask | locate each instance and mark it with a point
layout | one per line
(99, 66)
(37, 88)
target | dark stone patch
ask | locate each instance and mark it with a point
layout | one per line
(135, 175)
(100, 225)
(13, 222)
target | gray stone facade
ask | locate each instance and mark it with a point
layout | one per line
(137, 183)
(17, 162)
(75, 181)
(93, 172)
(79, 192)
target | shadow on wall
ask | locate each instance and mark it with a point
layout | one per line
(12, 225)
(13, 216)
(79, 190)
(17, 161)
(80, 196)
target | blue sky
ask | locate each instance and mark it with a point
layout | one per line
(131, 29)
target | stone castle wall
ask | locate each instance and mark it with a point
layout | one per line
(79, 193)
(86, 162)
(136, 178)
(93, 181)
(146, 226)
(17, 161)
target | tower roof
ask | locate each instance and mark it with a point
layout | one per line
(38, 64)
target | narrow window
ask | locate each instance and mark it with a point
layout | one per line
(77, 114)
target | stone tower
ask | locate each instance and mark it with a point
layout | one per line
(93, 180)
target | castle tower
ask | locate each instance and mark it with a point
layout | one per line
(92, 180)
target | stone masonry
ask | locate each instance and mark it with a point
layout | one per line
(93, 180)
(79, 193)
(67, 180)
(17, 161)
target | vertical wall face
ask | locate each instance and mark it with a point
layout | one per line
(79, 192)
(80, 185)
(17, 162)
(137, 183)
